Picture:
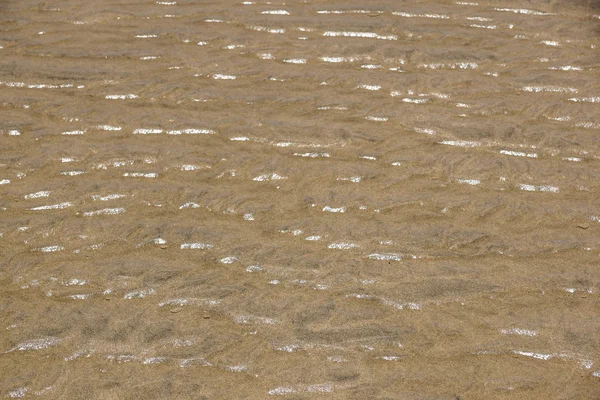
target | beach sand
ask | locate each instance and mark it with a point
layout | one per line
(337, 200)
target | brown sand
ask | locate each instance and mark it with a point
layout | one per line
(409, 211)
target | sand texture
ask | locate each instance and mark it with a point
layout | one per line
(301, 199)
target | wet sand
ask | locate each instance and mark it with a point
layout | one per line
(337, 200)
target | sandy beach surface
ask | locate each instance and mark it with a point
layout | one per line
(301, 199)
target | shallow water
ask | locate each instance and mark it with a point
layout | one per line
(345, 200)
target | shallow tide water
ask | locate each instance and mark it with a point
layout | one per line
(316, 199)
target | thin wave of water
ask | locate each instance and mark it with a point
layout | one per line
(248, 200)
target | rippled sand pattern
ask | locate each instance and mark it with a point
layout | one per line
(337, 200)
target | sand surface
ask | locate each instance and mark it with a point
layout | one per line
(310, 199)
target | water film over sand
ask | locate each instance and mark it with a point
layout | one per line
(301, 199)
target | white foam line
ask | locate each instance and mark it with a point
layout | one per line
(275, 12)
(115, 164)
(80, 296)
(552, 43)
(139, 294)
(193, 167)
(369, 87)
(40, 86)
(280, 391)
(517, 331)
(334, 209)
(193, 131)
(295, 144)
(460, 143)
(585, 99)
(427, 131)
(539, 356)
(36, 344)
(472, 182)
(566, 68)
(108, 128)
(566, 118)
(518, 153)
(460, 65)
(104, 211)
(266, 56)
(349, 12)
(435, 94)
(265, 29)
(50, 249)
(269, 177)
(541, 188)
(59, 206)
(385, 256)
(295, 61)
(342, 246)
(370, 35)
(43, 193)
(158, 241)
(4, 181)
(224, 77)
(482, 26)
(154, 360)
(141, 174)
(523, 11)
(121, 96)
(320, 388)
(201, 246)
(414, 101)
(588, 125)
(73, 133)
(249, 319)
(145, 131)
(550, 89)
(176, 302)
(312, 155)
(75, 282)
(411, 15)
(337, 108)
(354, 179)
(338, 59)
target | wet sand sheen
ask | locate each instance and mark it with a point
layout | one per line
(303, 199)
